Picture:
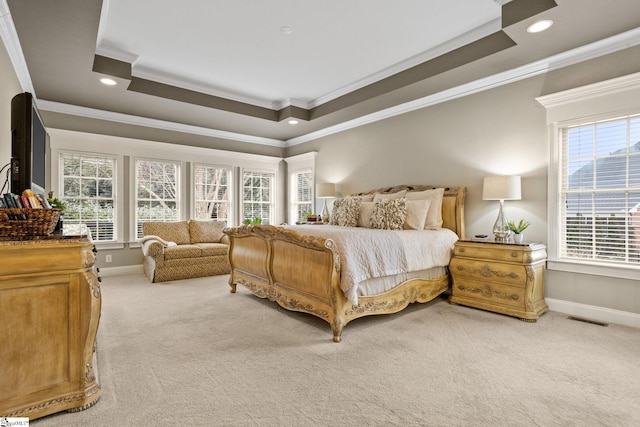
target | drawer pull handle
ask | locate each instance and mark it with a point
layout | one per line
(461, 249)
(514, 254)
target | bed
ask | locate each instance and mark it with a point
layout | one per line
(308, 268)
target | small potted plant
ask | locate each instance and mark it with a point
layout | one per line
(56, 203)
(311, 217)
(518, 229)
(256, 220)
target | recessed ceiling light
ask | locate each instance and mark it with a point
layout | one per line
(107, 81)
(293, 122)
(286, 29)
(539, 26)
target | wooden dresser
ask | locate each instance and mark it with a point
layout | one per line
(49, 312)
(505, 278)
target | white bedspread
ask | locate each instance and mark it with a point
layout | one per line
(367, 253)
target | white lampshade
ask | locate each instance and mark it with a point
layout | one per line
(326, 189)
(501, 188)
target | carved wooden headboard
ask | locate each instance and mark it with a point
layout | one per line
(452, 204)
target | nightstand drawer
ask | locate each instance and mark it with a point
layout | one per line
(489, 293)
(506, 253)
(508, 274)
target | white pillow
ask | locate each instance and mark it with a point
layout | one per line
(366, 211)
(381, 196)
(416, 214)
(434, 216)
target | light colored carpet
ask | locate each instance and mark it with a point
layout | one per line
(190, 353)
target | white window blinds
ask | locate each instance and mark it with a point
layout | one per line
(599, 203)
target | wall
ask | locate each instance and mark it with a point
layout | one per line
(9, 87)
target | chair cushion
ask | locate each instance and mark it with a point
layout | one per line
(177, 232)
(206, 231)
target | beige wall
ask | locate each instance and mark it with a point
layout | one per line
(9, 87)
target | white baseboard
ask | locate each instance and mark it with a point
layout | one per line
(120, 271)
(593, 312)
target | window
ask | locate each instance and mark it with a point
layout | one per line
(88, 191)
(212, 193)
(599, 194)
(301, 194)
(258, 196)
(157, 196)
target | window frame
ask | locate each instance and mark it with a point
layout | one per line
(115, 188)
(134, 191)
(294, 165)
(599, 101)
(294, 203)
(231, 190)
(273, 196)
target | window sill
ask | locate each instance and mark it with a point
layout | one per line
(596, 269)
(105, 246)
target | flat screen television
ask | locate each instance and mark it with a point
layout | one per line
(28, 146)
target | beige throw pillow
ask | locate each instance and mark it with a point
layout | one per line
(416, 214)
(345, 212)
(366, 211)
(389, 214)
(434, 216)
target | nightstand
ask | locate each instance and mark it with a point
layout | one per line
(505, 278)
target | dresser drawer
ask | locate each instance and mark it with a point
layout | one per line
(491, 272)
(507, 253)
(489, 293)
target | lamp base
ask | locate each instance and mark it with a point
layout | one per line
(325, 212)
(501, 230)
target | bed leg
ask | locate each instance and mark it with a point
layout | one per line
(337, 331)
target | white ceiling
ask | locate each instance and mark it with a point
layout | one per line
(238, 49)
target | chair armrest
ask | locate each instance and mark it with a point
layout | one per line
(225, 239)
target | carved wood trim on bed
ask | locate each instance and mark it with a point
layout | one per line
(302, 272)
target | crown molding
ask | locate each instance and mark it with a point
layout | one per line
(158, 77)
(455, 43)
(12, 44)
(594, 50)
(583, 93)
(93, 113)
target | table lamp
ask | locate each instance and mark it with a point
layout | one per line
(325, 191)
(501, 188)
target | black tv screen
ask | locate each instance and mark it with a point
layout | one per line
(28, 146)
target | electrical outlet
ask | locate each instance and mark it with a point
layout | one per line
(107, 258)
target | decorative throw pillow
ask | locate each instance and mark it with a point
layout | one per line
(366, 210)
(345, 212)
(389, 214)
(170, 231)
(206, 231)
(382, 196)
(434, 216)
(416, 214)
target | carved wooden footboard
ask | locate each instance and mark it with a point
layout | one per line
(302, 273)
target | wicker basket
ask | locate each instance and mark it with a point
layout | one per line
(27, 222)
